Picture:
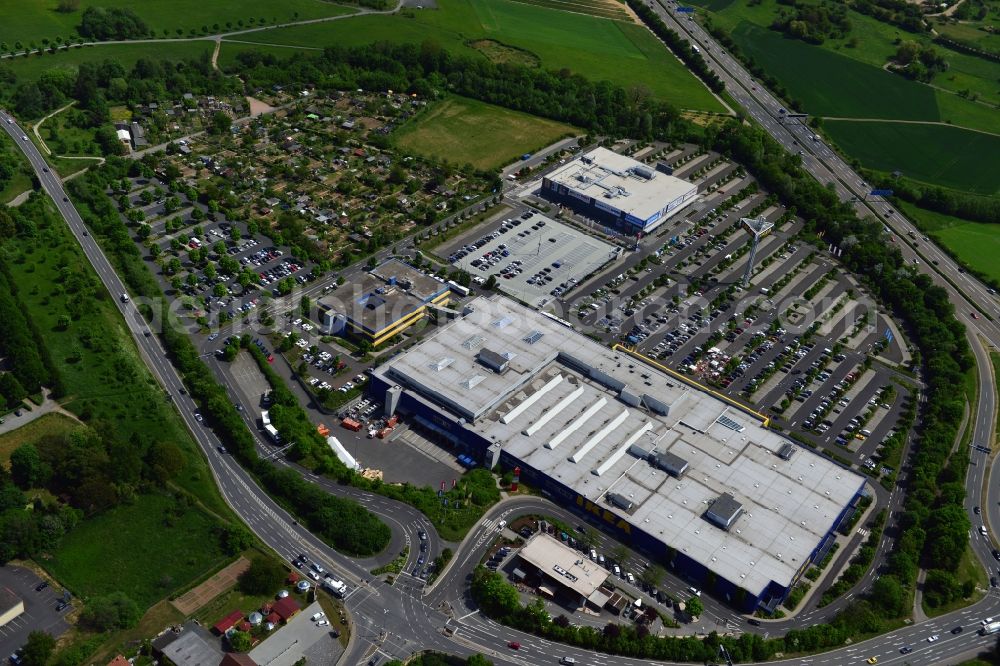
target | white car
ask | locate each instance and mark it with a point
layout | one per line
(318, 616)
(323, 623)
(931, 639)
(24, 137)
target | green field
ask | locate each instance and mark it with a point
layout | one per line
(20, 179)
(600, 49)
(977, 243)
(939, 154)
(29, 21)
(464, 131)
(105, 380)
(147, 549)
(32, 67)
(849, 88)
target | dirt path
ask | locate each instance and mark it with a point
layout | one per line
(34, 128)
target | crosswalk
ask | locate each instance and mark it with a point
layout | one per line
(863, 531)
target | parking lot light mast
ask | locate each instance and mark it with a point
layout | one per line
(758, 228)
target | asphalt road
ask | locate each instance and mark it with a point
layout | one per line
(399, 620)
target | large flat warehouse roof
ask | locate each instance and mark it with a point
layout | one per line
(598, 422)
(621, 184)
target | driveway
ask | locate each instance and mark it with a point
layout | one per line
(11, 422)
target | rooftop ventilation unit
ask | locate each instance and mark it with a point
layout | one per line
(724, 511)
(643, 172)
(786, 452)
(492, 360)
(620, 501)
(671, 464)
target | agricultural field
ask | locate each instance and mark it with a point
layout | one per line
(600, 49)
(610, 9)
(32, 67)
(461, 131)
(151, 548)
(977, 243)
(28, 21)
(844, 77)
(850, 88)
(938, 154)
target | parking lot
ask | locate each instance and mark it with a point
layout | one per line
(202, 255)
(797, 343)
(40, 612)
(535, 259)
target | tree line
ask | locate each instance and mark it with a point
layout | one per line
(681, 47)
(30, 367)
(427, 69)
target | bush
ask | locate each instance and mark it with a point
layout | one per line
(263, 576)
(115, 611)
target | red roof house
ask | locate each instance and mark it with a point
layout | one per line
(245, 626)
(119, 661)
(228, 622)
(286, 608)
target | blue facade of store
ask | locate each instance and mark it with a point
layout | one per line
(468, 442)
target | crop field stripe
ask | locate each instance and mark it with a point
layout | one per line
(938, 154)
(851, 88)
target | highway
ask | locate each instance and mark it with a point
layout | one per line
(398, 620)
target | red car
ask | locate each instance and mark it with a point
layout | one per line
(514, 645)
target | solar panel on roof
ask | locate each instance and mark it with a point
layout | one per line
(727, 422)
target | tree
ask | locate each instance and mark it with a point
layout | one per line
(240, 641)
(491, 282)
(38, 649)
(27, 468)
(263, 576)
(164, 460)
(621, 554)
(68, 6)
(235, 539)
(220, 123)
(654, 575)
(694, 607)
